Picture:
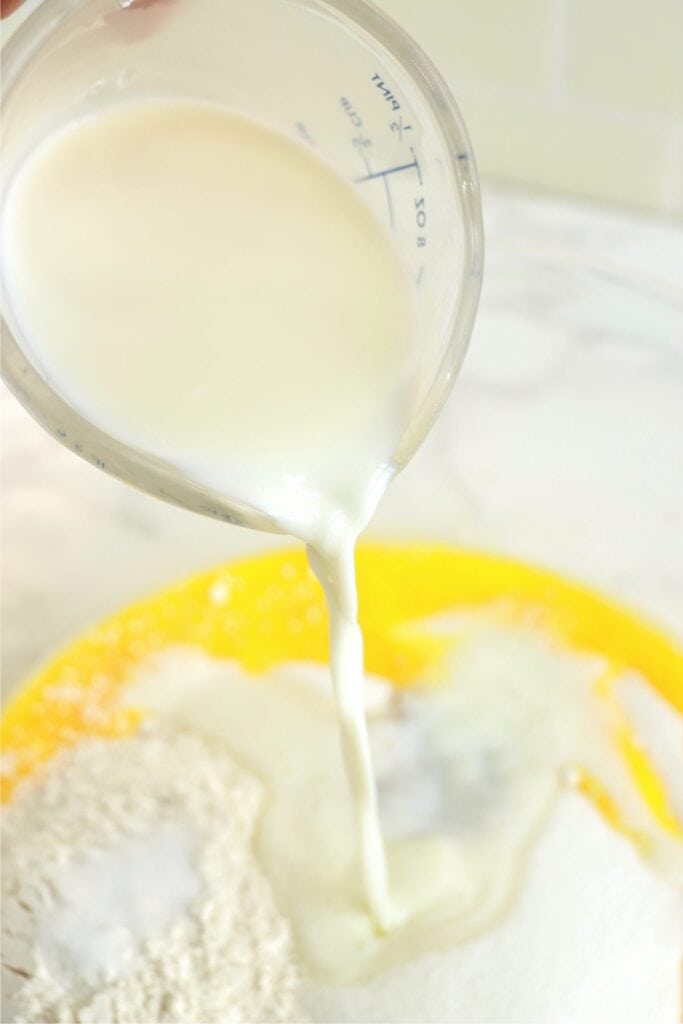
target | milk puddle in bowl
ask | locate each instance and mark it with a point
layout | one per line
(472, 761)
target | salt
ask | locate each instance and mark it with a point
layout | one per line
(110, 903)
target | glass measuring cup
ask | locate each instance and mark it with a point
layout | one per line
(336, 75)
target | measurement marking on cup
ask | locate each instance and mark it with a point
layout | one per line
(420, 221)
(390, 202)
(400, 127)
(353, 116)
(386, 92)
(417, 165)
(383, 174)
(360, 141)
(304, 133)
(393, 170)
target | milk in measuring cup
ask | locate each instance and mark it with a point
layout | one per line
(205, 290)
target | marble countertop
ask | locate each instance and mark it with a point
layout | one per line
(562, 444)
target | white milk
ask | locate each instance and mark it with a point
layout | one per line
(207, 291)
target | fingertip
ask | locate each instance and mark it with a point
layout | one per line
(7, 7)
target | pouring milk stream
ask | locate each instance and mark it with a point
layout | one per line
(209, 292)
(203, 289)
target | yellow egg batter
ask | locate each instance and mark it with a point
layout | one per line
(269, 609)
(508, 685)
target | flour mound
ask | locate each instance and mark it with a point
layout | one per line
(131, 891)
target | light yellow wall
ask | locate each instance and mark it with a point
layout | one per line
(581, 96)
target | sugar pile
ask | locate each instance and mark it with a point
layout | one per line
(131, 892)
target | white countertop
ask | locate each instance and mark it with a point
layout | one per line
(562, 444)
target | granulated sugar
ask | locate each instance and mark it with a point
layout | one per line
(131, 892)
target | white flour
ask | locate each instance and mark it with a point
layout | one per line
(131, 892)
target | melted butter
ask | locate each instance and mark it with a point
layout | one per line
(470, 763)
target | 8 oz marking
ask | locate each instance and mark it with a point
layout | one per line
(421, 220)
